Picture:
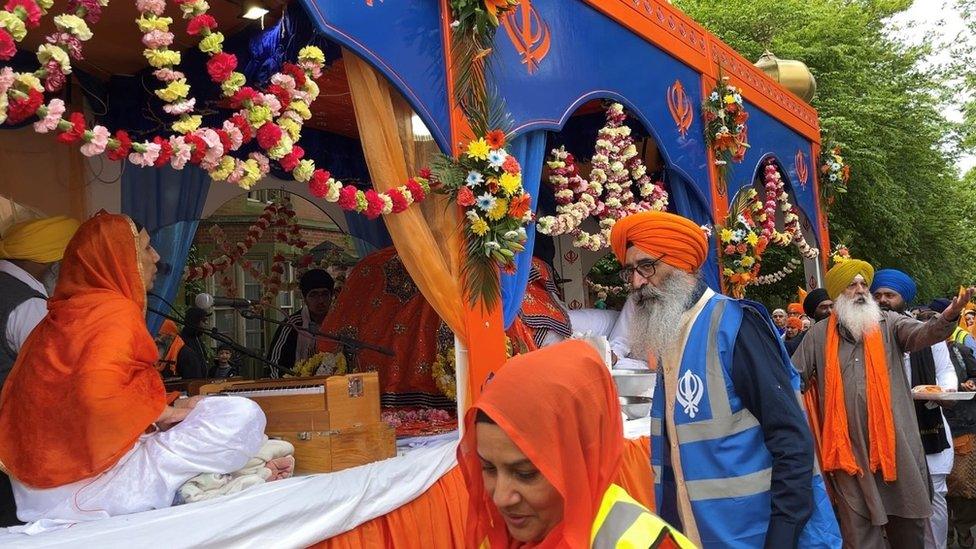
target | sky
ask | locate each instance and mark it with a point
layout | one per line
(939, 17)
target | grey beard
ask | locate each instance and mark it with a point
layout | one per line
(657, 319)
(857, 317)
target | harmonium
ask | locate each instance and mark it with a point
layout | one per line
(333, 421)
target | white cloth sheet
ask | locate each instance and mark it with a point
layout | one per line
(296, 512)
(26, 316)
(220, 435)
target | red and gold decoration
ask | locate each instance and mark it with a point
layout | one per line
(486, 182)
(725, 116)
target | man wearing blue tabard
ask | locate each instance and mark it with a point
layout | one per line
(731, 451)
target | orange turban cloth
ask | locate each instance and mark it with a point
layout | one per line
(559, 406)
(840, 276)
(794, 322)
(678, 240)
(84, 387)
(795, 308)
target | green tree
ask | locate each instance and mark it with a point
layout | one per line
(907, 207)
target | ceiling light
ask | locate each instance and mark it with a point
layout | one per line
(253, 10)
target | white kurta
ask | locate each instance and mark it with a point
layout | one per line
(26, 316)
(940, 465)
(220, 435)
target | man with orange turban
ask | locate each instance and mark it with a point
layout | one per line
(869, 440)
(86, 428)
(732, 455)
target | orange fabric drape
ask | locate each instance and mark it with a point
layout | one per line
(436, 519)
(84, 387)
(837, 451)
(428, 238)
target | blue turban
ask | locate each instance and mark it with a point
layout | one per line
(896, 280)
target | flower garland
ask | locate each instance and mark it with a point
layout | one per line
(772, 278)
(617, 167)
(486, 182)
(834, 175)
(445, 373)
(775, 193)
(274, 117)
(623, 289)
(743, 245)
(725, 116)
(840, 254)
(322, 364)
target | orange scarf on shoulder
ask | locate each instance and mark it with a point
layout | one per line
(836, 451)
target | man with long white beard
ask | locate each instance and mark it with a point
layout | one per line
(869, 440)
(894, 291)
(731, 451)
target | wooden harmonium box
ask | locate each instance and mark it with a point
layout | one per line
(334, 422)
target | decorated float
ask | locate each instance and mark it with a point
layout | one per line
(451, 137)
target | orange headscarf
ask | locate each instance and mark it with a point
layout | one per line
(84, 387)
(170, 330)
(678, 239)
(836, 451)
(559, 406)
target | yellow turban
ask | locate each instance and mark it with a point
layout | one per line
(842, 274)
(40, 240)
(679, 240)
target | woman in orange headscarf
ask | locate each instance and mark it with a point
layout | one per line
(541, 448)
(84, 392)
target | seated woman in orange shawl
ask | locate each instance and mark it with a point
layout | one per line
(541, 448)
(85, 428)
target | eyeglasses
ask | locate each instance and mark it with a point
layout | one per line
(646, 268)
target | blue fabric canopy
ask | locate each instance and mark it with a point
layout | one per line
(168, 203)
(530, 150)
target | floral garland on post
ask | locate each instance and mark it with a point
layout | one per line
(486, 182)
(617, 167)
(834, 175)
(840, 254)
(725, 116)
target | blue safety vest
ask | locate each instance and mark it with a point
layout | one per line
(726, 468)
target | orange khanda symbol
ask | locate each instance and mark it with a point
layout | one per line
(801, 168)
(680, 106)
(528, 33)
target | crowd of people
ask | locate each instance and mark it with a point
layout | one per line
(800, 428)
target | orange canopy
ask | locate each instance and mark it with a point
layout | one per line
(84, 387)
(559, 406)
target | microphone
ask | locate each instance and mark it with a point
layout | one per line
(207, 301)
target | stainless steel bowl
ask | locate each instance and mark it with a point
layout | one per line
(635, 407)
(633, 383)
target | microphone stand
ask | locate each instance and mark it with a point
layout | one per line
(353, 346)
(214, 334)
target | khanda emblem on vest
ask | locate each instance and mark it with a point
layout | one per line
(690, 392)
(528, 33)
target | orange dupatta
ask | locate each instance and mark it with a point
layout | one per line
(559, 406)
(836, 451)
(84, 387)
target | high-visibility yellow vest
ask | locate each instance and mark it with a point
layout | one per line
(623, 523)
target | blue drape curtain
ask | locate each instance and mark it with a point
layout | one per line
(168, 203)
(686, 201)
(530, 150)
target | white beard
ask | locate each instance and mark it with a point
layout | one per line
(856, 316)
(657, 319)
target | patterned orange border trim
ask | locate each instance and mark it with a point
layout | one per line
(670, 29)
